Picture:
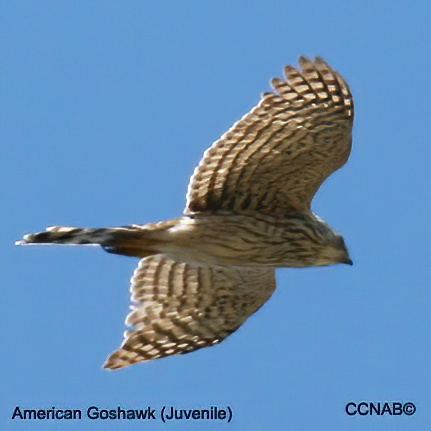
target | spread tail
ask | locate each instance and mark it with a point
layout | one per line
(128, 241)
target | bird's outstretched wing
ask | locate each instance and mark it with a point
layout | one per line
(179, 308)
(276, 157)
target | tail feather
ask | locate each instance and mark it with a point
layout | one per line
(128, 241)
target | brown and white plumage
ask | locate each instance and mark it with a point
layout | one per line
(276, 157)
(248, 211)
(179, 308)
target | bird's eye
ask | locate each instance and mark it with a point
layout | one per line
(340, 241)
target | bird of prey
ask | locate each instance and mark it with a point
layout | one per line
(202, 275)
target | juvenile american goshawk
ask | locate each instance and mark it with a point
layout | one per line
(248, 212)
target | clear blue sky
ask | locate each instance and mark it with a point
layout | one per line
(106, 108)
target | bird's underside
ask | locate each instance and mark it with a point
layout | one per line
(248, 211)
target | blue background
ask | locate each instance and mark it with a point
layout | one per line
(106, 108)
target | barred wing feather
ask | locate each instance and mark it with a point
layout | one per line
(276, 157)
(179, 308)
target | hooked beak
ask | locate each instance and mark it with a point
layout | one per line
(348, 261)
